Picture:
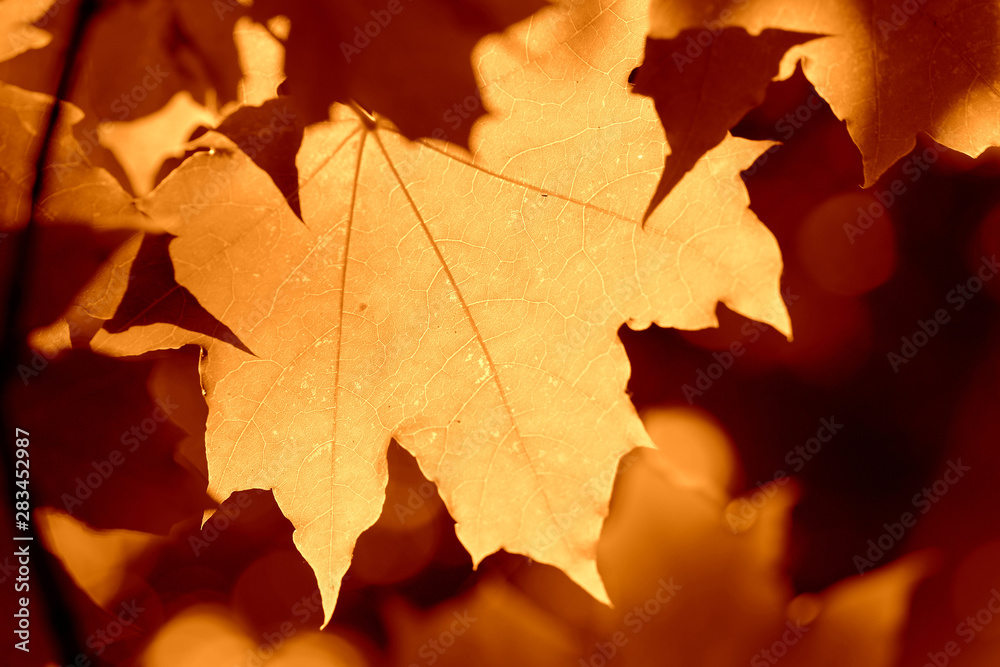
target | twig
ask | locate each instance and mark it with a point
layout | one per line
(14, 342)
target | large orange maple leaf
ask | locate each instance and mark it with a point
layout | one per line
(465, 304)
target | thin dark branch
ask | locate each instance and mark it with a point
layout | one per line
(14, 343)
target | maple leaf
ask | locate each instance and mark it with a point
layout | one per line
(408, 61)
(138, 484)
(136, 56)
(98, 561)
(149, 147)
(82, 215)
(151, 271)
(270, 136)
(18, 23)
(698, 100)
(891, 70)
(466, 305)
(677, 555)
